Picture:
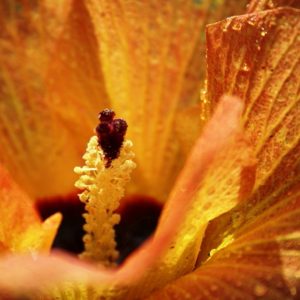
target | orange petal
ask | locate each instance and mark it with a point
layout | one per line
(74, 79)
(258, 5)
(208, 186)
(21, 228)
(51, 93)
(263, 262)
(151, 79)
(257, 57)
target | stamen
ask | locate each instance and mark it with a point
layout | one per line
(103, 179)
(111, 134)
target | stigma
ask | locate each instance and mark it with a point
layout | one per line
(110, 134)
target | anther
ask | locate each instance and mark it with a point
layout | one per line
(110, 134)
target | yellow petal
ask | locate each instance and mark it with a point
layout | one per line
(51, 92)
(74, 80)
(262, 263)
(256, 56)
(21, 229)
(153, 62)
(38, 238)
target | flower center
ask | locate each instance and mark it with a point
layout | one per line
(139, 217)
(70, 232)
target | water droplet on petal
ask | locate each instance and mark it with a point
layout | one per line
(245, 67)
(263, 33)
(251, 22)
(260, 290)
(237, 26)
(225, 27)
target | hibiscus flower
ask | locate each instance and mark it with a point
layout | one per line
(230, 225)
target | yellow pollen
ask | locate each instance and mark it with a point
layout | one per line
(102, 190)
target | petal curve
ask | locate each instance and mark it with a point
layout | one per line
(21, 228)
(263, 262)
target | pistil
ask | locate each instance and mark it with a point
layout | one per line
(108, 166)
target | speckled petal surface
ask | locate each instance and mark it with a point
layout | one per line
(264, 71)
(258, 5)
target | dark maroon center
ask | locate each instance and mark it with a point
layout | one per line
(139, 217)
(70, 232)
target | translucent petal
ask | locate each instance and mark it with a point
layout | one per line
(211, 183)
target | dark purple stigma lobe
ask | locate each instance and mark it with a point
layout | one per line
(111, 133)
(106, 115)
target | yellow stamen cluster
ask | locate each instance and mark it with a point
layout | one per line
(102, 190)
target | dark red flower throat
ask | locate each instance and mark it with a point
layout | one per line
(139, 217)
